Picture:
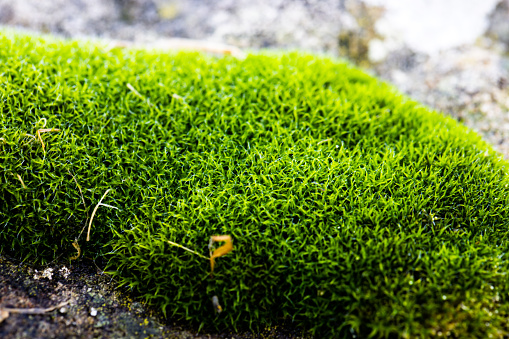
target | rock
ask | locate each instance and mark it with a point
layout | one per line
(498, 28)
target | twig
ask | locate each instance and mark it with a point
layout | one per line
(33, 310)
(95, 210)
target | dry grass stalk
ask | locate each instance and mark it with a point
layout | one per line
(5, 311)
(20, 179)
(45, 130)
(187, 249)
(95, 210)
(219, 252)
(321, 142)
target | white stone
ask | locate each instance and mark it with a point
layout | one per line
(429, 26)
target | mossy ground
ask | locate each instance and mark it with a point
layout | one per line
(353, 210)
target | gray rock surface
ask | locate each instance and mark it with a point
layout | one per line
(499, 23)
(458, 75)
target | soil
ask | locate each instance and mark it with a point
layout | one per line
(88, 306)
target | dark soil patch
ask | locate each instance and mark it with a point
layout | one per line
(86, 288)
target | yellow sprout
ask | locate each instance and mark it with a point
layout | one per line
(227, 247)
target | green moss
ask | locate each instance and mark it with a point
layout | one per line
(352, 209)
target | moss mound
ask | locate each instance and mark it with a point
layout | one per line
(353, 210)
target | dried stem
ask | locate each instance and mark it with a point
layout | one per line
(321, 142)
(187, 249)
(33, 310)
(20, 180)
(95, 210)
(139, 95)
(45, 130)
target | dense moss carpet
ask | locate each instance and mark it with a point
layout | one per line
(353, 210)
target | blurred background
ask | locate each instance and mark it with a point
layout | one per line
(452, 55)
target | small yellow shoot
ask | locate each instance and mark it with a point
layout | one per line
(77, 247)
(219, 252)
